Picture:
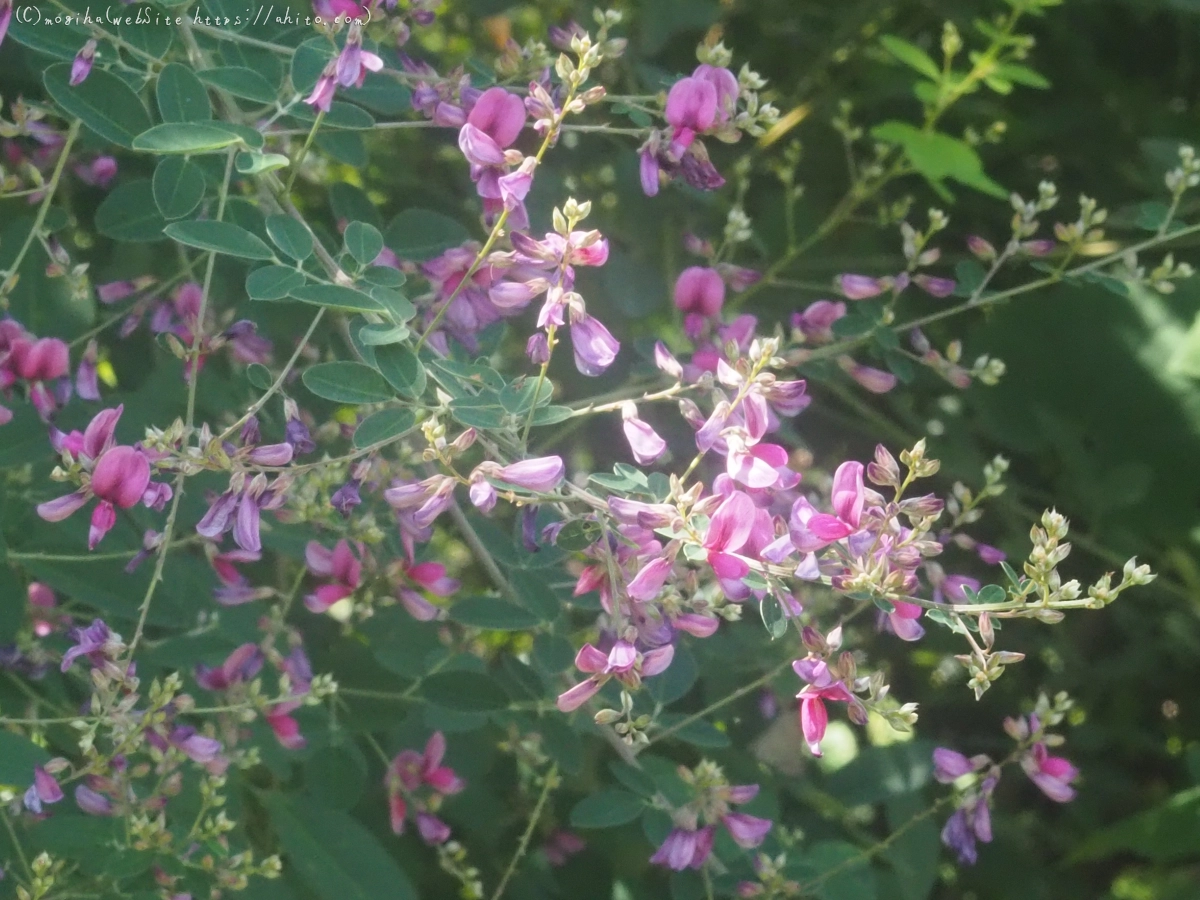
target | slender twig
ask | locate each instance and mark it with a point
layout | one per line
(12, 834)
(550, 783)
(40, 219)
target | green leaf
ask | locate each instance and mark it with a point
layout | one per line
(464, 691)
(61, 41)
(968, 275)
(938, 157)
(340, 115)
(259, 376)
(137, 31)
(607, 808)
(911, 55)
(184, 138)
(384, 276)
(334, 855)
(337, 297)
(383, 426)
(273, 282)
(335, 776)
(578, 534)
(992, 593)
(104, 103)
(1163, 833)
(420, 234)
(240, 82)
(395, 305)
(130, 213)
(290, 236)
(493, 614)
(347, 382)
(182, 97)
(379, 334)
(1022, 75)
(855, 882)
(698, 733)
(18, 756)
(345, 146)
(677, 680)
(254, 163)
(219, 237)
(178, 186)
(403, 371)
(915, 854)
(363, 242)
(637, 780)
(308, 62)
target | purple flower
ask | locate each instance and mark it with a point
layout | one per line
(340, 565)
(92, 802)
(81, 67)
(623, 662)
(321, 97)
(685, 848)
(950, 765)
(433, 830)
(5, 17)
(700, 290)
(87, 384)
(346, 498)
(240, 666)
(45, 789)
(354, 62)
(595, 348)
(195, 747)
(297, 434)
(1052, 774)
(746, 830)
(499, 115)
(97, 642)
(644, 441)
(859, 287)
(936, 287)
(691, 108)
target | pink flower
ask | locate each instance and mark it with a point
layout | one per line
(874, 380)
(41, 359)
(700, 290)
(5, 17)
(814, 718)
(81, 67)
(685, 848)
(623, 662)
(728, 531)
(411, 769)
(1052, 774)
(816, 322)
(560, 845)
(340, 565)
(644, 441)
(860, 287)
(726, 85)
(241, 665)
(285, 726)
(691, 108)
(45, 789)
(746, 830)
(321, 97)
(499, 115)
(354, 62)
(595, 348)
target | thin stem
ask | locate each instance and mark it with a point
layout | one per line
(278, 383)
(12, 834)
(550, 783)
(312, 133)
(193, 370)
(745, 689)
(7, 284)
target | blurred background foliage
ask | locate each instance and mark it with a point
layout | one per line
(1099, 411)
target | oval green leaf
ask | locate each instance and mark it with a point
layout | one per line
(130, 213)
(104, 103)
(273, 282)
(290, 236)
(219, 237)
(337, 297)
(178, 187)
(347, 382)
(403, 371)
(383, 426)
(240, 82)
(606, 809)
(464, 691)
(493, 614)
(363, 242)
(185, 138)
(181, 95)
(420, 234)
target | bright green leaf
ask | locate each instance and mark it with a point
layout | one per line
(219, 237)
(273, 282)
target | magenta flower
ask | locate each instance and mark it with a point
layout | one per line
(38, 359)
(284, 724)
(595, 348)
(340, 565)
(860, 287)
(81, 66)
(814, 717)
(5, 17)
(411, 776)
(239, 667)
(321, 97)
(747, 831)
(726, 85)
(685, 848)
(45, 789)
(354, 62)
(624, 662)
(728, 531)
(499, 115)
(1052, 774)
(700, 290)
(691, 108)
(120, 477)
(644, 441)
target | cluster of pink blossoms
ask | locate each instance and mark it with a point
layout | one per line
(40, 368)
(971, 821)
(418, 783)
